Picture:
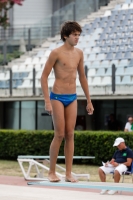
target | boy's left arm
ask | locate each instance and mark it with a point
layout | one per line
(84, 84)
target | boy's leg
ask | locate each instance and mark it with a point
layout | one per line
(70, 121)
(59, 128)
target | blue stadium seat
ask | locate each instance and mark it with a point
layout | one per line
(107, 30)
(104, 49)
(131, 41)
(130, 28)
(109, 56)
(15, 75)
(127, 34)
(113, 48)
(98, 42)
(103, 36)
(2, 84)
(111, 36)
(117, 7)
(118, 56)
(119, 35)
(124, 41)
(128, 1)
(95, 25)
(108, 42)
(130, 63)
(128, 55)
(122, 48)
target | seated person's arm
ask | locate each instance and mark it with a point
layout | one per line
(109, 162)
(125, 130)
(112, 162)
(128, 163)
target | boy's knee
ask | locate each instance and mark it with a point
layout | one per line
(59, 136)
(69, 135)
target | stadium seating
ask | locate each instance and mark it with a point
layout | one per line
(105, 41)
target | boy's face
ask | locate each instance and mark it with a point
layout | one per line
(73, 38)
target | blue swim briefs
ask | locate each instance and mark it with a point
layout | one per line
(66, 99)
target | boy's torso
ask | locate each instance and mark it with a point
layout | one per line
(65, 70)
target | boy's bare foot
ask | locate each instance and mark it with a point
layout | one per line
(53, 178)
(71, 179)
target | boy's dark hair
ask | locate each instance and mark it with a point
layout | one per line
(69, 27)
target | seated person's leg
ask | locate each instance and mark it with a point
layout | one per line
(118, 172)
(102, 174)
(103, 171)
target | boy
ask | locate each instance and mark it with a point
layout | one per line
(62, 103)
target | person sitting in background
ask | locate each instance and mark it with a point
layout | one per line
(129, 125)
(120, 162)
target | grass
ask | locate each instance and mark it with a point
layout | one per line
(12, 168)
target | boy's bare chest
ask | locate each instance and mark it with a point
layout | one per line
(68, 61)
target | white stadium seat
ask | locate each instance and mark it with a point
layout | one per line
(96, 81)
(107, 80)
(91, 72)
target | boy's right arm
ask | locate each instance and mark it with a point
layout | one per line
(44, 79)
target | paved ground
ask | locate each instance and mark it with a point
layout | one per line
(16, 188)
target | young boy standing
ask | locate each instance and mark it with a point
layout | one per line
(66, 61)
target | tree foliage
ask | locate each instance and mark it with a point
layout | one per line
(5, 5)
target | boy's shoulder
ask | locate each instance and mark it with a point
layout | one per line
(79, 50)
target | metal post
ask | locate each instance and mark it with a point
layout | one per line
(74, 11)
(86, 71)
(113, 78)
(34, 89)
(10, 82)
(96, 5)
(52, 26)
(4, 54)
(29, 39)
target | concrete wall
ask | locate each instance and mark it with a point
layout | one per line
(32, 12)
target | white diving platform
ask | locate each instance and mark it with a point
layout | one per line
(40, 162)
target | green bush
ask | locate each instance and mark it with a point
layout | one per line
(10, 56)
(93, 143)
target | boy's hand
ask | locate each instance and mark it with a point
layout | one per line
(48, 108)
(89, 108)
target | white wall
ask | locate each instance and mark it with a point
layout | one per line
(31, 12)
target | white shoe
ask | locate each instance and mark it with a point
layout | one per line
(103, 191)
(112, 192)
